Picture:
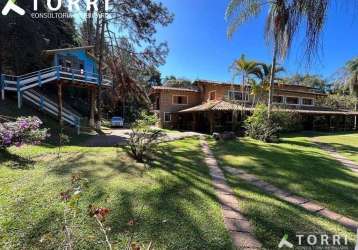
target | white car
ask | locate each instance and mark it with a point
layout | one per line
(117, 121)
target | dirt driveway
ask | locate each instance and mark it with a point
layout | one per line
(113, 137)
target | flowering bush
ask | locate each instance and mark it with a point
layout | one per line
(25, 130)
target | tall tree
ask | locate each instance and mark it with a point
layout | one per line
(124, 39)
(282, 24)
(23, 38)
(352, 67)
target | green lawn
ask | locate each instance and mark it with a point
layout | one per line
(297, 165)
(172, 203)
(272, 218)
(346, 144)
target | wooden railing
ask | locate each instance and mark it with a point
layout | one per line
(38, 78)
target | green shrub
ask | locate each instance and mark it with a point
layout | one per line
(144, 138)
(287, 121)
(259, 127)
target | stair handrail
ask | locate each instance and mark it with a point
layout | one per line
(52, 108)
(38, 71)
(38, 95)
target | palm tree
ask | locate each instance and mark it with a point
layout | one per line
(245, 68)
(258, 89)
(266, 70)
(283, 20)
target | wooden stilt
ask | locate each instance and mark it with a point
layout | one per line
(19, 99)
(3, 94)
(93, 104)
(60, 103)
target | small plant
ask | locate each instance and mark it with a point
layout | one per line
(260, 127)
(71, 198)
(144, 138)
(25, 130)
(63, 139)
(100, 214)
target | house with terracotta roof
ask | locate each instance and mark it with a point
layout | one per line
(210, 106)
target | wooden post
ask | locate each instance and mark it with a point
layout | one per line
(60, 103)
(19, 100)
(93, 104)
(355, 117)
(2, 87)
(18, 87)
(234, 120)
(211, 121)
(194, 121)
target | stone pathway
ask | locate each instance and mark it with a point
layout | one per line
(239, 227)
(309, 205)
(333, 152)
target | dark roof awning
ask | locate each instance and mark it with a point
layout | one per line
(54, 51)
(228, 106)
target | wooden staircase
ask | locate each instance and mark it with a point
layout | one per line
(24, 86)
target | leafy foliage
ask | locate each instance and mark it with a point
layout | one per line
(287, 121)
(144, 139)
(22, 131)
(338, 101)
(260, 127)
(283, 20)
(313, 81)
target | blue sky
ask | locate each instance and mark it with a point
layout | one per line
(200, 49)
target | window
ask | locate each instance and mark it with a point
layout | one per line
(180, 99)
(237, 96)
(307, 101)
(167, 117)
(68, 65)
(292, 100)
(82, 69)
(277, 99)
(212, 95)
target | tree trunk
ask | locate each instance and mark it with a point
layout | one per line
(355, 117)
(100, 64)
(60, 104)
(272, 79)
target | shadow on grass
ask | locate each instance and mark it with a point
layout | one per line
(273, 218)
(298, 166)
(15, 161)
(179, 210)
